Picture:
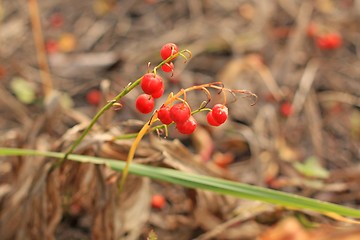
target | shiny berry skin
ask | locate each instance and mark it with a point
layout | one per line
(220, 113)
(211, 120)
(169, 49)
(93, 97)
(145, 103)
(159, 93)
(158, 201)
(151, 84)
(167, 67)
(180, 113)
(164, 115)
(329, 41)
(188, 127)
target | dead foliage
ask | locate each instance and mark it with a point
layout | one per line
(104, 44)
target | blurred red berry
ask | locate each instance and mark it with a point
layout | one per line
(145, 103)
(329, 41)
(312, 30)
(164, 115)
(51, 46)
(223, 160)
(180, 113)
(151, 84)
(56, 20)
(286, 109)
(2, 72)
(93, 97)
(188, 127)
(220, 113)
(211, 120)
(158, 201)
(335, 40)
(169, 49)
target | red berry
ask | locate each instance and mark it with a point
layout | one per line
(158, 201)
(188, 127)
(335, 40)
(56, 20)
(169, 49)
(180, 113)
(329, 41)
(220, 113)
(164, 115)
(2, 72)
(93, 97)
(145, 103)
(312, 30)
(211, 120)
(151, 84)
(51, 46)
(286, 109)
(167, 67)
(159, 93)
(322, 43)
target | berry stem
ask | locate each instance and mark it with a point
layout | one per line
(108, 106)
(170, 99)
(181, 53)
(134, 135)
(144, 130)
(224, 98)
(131, 154)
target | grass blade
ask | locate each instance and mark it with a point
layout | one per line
(217, 185)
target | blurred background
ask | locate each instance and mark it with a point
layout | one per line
(62, 60)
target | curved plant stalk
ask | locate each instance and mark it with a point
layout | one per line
(112, 103)
(156, 128)
(170, 100)
(212, 184)
(139, 136)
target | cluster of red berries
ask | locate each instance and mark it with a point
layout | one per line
(166, 51)
(185, 123)
(180, 113)
(152, 84)
(217, 115)
(325, 40)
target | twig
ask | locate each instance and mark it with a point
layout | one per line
(40, 48)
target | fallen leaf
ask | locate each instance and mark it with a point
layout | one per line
(23, 90)
(311, 168)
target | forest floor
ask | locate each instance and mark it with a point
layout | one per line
(302, 136)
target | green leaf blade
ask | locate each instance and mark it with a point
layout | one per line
(217, 185)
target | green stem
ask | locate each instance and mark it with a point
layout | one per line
(94, 120)
(109, 105)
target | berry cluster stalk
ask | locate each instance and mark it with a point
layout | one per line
(111, 103)
(170, 100)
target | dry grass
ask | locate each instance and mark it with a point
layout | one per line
(257, 45)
